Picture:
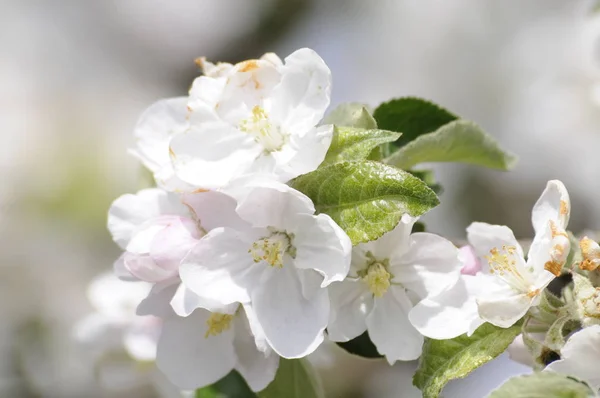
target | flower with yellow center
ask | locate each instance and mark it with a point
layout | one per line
(280, 264)
(387, 277)
(258, 117)
(502, 292)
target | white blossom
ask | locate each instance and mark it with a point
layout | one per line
(509, 285)
(278, 266)
(255, 117)
(387, 278)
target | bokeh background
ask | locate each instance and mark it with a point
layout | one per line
(75, 75)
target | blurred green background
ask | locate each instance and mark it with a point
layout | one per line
(75, 75)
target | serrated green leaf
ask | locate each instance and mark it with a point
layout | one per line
(361, 346)
(353, 144)
(445, 360)
(543, 385)
(351, 115)
(459, 141)
(412, 117)
(295, 378)
(428, 178)
(366, 199)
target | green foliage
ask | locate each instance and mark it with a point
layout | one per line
(366, 199)
(459, 141)
(412, 117)
(562, 327)
(231, 386)
(351, 115)
(445, 360)
(361, 346)
(428, 178)
(543, 385)
(295, 378)
(352, 144)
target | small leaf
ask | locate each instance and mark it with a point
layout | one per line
(563, 326)
(361, 346)
(459, 141)
(352, 144)
(445, 360)
(295, 378)
(366, 199)
(543, 385)
(231, 386)
(412, 117)
(351, 115)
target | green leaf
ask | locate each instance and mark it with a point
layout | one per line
(412, 117)
(352, 144)
(231, 386)
(351, 115)
(366, 199)
(428, 178)
(295, 378)
(543, 385)
(361, 346)
(445, 360)
(459, 141)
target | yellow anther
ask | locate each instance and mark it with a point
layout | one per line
(217, 323)
(590, 251)
(378, 279)
(264, 132)
(504, 264)
(272, 249)
(564, 208)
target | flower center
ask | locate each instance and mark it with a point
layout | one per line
(376, 275)
(503, 264)
(217, 323)
(272, 249)
(264, 132)
(591, 303)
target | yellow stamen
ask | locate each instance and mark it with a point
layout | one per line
(272, 249)
(217, 323)
(504, 265)
(378, 279)
(590, 251)
(564, 208)
(264, 132)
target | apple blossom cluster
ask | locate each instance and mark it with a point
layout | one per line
(272, 229)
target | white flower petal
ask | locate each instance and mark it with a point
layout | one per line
(390, 329)
(484, 237)
(430, 264)
(392, 244)
(184, 302)
(143, 267)
(210, 156)
(518, 352)
(452, 312)
(214, 209)
(154, 130)
(258, 368)
(157, 301)
(255, 327)
(504, 307)
(173, 243)
(293, 325)
(188, 358)
(121, 271)
(219, 267)
(265, 203)
(351, 302)
(308, 152)
(554, 204)
(580, 356)
(300, 100)
(323, 246)
(128, 212)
